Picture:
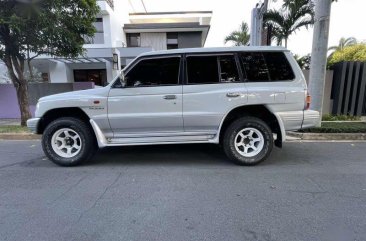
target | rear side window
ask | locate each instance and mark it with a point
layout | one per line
(228, 70)
(266, 66)
(278, 66)
(202, 70)
(254, 66)
(212, 69)
(154, 72)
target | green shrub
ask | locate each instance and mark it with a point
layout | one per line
(355, 52)
(329, 117)
(339, 127)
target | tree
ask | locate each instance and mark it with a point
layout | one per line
(293, 15)
(239, 37)
(31, 28)
(343, 42)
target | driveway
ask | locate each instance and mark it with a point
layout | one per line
(305, 191)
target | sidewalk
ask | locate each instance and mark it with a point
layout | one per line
(9, 122)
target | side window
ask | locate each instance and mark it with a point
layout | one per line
(278, 66)
(266, 66)
(254, 66)
(154, 72)
(228, 69)
(202, 70)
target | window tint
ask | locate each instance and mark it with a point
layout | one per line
(228, 69)
(154, 72)
(202, 69)
(267, 66)
(278, 66)
(254, 66)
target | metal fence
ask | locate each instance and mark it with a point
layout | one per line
(349, 88)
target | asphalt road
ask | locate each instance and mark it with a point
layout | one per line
(306, 191)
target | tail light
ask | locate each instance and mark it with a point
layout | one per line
(307, 101)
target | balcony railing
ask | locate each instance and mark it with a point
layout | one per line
(110, 3)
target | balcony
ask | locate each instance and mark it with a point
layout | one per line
(104, 4)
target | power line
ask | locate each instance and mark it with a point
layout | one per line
(143, 4)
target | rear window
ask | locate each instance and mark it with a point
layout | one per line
(266, 66)
(202, 70)
(212, 69)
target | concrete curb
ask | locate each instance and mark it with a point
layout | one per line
(328, 136)
(19, 136)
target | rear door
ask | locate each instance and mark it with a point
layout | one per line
(213, 86)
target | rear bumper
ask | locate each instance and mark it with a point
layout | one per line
(296, 120)
(311, 119)
(32, 124)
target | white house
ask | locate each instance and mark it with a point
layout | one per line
(120, 37)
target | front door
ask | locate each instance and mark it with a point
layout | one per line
(150, 104)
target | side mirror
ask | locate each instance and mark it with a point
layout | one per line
(122, 80)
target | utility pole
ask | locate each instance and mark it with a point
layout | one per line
(319, 54)
(257, 23)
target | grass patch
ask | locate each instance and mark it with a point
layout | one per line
(14, 129)
(339, 127)
(329, 117)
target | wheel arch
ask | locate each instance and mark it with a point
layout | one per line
(260, 111)
(56, 113)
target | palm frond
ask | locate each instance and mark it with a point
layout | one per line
(239, 37)
(293, 15)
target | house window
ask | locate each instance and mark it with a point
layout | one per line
(98, 37)
(98, 76)
(171, 40)
(133, 39)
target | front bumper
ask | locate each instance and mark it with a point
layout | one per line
(32, 124)
(311, 119)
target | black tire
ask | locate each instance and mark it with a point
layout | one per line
(230, 138)
(87, 138)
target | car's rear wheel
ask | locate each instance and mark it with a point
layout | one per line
(248, 141)
(68, 141)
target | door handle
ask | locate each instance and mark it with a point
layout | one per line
(233, 94)
(170, 97)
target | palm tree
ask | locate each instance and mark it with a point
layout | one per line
(293, 15)
(343, 42)
(239, 37)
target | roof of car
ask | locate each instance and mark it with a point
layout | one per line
(215, 50)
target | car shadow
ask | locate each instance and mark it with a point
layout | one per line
(175, 155)
(184, 154)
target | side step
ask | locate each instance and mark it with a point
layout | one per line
(132, 141)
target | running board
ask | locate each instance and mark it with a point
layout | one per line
(159, 140)
(152, 140)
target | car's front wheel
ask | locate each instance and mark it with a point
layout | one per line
(248, 141)
(68, 141)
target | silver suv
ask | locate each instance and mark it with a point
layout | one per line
(243, 98)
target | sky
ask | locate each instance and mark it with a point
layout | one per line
(347, 19)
